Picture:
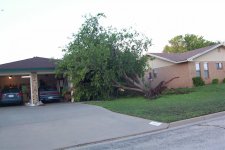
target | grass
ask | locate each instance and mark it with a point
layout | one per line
(171, 107)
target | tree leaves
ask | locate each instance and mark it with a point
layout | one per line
(97, 56)
(188, 42)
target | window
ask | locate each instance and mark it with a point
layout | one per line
(150, 76)
(219, 66)
(154, 73)
(198, 70)
(206, 70)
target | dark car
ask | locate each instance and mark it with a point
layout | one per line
(49, 95)
(11, 96)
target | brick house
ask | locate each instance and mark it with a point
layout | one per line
(207, 63)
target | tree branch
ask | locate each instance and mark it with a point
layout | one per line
(133, 82)
(118, 85)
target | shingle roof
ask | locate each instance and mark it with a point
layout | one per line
(184, 57)
(31, 63)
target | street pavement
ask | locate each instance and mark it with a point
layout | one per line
(205, 135)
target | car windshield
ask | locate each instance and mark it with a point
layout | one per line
(10, 90)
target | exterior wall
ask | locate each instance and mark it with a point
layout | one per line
(185, 72)
(168, 72)
(157, 63)
(213, 72)
(212, 57)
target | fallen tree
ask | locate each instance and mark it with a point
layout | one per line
(139, 85)
(100, 59)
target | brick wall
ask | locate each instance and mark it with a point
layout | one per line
(213, 72)
(185, 72)
(176, 70)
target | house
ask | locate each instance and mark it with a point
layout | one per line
(207, 63)
(30, 73)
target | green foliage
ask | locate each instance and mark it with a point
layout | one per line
(215, 81)
(197, 81)
(99, 56)
(188, 42)
(224, 80)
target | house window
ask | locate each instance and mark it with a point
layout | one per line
(206, 70)
(150, 76)
(198, 70)
(154, 73)
(219, 66)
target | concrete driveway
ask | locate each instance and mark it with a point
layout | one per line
(56, 126)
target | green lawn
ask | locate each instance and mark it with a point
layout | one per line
(168, 108)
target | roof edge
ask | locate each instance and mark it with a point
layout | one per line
(200, 54)
(163, 58)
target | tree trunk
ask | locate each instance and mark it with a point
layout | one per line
(140, 86)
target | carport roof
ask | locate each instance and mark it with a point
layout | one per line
(31, 64)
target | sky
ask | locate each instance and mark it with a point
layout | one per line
(43, 28)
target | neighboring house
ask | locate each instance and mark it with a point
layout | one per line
(207, 63)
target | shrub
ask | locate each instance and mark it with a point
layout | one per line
(215, 81)
(197, 81)
(224, 80)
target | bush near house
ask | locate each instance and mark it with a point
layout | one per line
(215, 81)
(197, 81)
(224, 80)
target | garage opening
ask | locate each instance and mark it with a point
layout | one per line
(49, 86)
(17, 81)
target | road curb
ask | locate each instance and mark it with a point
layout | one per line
(196, 119)
(112, 139)
(168, 126)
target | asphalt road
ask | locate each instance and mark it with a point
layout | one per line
(207, 135)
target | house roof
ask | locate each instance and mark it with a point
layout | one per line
(33, 64)
(186, 56)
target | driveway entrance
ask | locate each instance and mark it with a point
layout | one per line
(55, 126)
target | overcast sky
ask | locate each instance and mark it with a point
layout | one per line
(31, 28)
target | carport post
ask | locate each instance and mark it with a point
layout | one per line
(34, 89)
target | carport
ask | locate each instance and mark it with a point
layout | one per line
(29, 74)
